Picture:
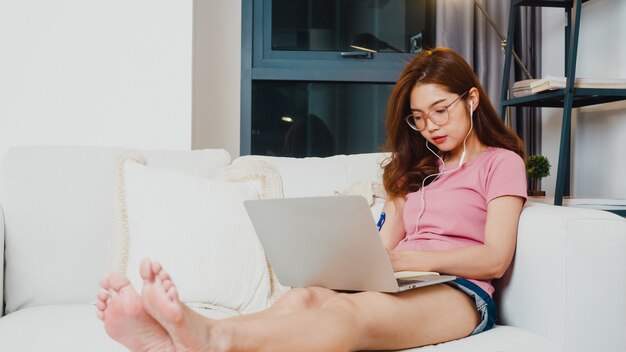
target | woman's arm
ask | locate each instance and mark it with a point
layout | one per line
(481, 262)
(392, 231)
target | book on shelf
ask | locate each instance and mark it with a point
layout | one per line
(533, 86)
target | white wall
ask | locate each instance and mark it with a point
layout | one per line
(120, 73)
(94, 72)
(599, 138)
(217, 75)
(116, 73)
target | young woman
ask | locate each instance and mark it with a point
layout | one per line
(456, 185)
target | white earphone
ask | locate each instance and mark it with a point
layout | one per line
(462, 159)
(443, 167)
(471, 125)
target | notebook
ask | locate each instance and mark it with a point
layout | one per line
(329, 242)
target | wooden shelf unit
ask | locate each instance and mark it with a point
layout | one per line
(566, 98)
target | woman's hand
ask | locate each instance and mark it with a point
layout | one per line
(394, 258)
(409, 260)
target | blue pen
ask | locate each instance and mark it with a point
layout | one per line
(381, 220)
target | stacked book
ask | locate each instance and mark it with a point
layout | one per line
(533, 86)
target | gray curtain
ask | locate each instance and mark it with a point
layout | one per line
(527, 121)
(461, 26)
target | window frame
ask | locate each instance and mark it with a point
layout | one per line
(260, 62)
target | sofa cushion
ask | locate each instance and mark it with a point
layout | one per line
(566, 260)
(199, 230)
(55, 328)
(59, 207)
(498, 339)
(307, 177)
(62, 328)
(75, 328)
(355, 174)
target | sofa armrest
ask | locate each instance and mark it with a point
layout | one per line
(1, 261)
(567, 281)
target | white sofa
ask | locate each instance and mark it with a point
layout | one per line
(565, 291)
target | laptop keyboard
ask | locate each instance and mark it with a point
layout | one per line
(402, 282)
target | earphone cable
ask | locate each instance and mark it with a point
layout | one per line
(443, 167)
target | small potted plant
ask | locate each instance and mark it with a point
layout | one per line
(537, 167)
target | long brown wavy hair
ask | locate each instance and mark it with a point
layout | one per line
(410, 162)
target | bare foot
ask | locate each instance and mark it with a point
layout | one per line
(125, 320)
(189, 330)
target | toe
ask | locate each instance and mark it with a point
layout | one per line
(104, 283)
(102, 296)
(167, 284)
(156, 267)
(172, 293)
(145, 269)
(118, 281)
(164, 276)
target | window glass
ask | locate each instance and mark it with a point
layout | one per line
(301, 119)
(345, 25)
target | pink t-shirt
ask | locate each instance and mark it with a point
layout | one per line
(455, 209)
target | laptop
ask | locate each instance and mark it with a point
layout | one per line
(329, 242)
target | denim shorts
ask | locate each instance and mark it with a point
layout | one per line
(484, 303)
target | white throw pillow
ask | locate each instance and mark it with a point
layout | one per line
(199, 230)
(263, 177)
(257, 174)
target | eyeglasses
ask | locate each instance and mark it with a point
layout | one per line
(439, 116)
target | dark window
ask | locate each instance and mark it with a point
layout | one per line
(302, 119)
(309, 87)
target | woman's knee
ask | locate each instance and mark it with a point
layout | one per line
(342, 302)
(348, 312)
(297, 298)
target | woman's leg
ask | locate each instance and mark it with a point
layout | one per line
(418, 317)
(293, 300)
(341, 322)
(125, 320)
